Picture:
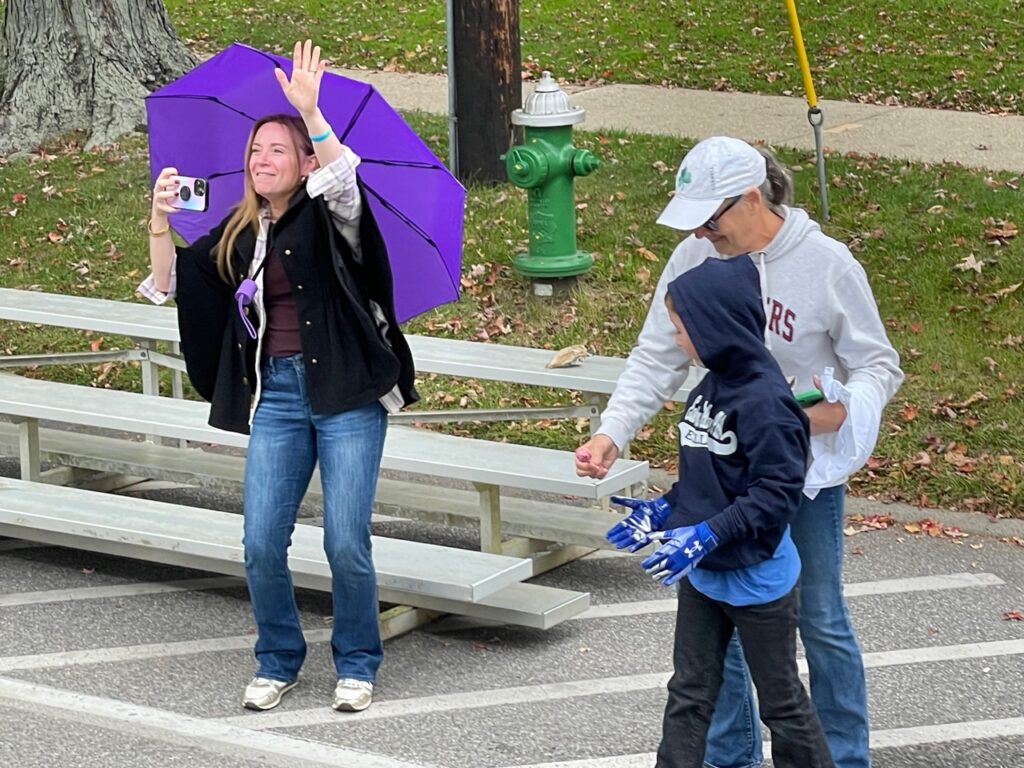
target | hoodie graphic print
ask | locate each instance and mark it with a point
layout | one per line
(743, 440)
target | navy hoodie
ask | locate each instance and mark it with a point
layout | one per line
(743, 440)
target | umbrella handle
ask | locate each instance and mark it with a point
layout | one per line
(244, 296)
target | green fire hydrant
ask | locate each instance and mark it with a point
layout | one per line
(545, 165)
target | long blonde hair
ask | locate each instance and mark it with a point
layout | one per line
(247, 212)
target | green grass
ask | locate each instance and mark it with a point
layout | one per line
(962, 54)
(80, 229)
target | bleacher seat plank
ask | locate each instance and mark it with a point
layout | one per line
(405, 450)
(210, 540)
(531, 518)
(596, 374)
(122, 318)
(61, 516)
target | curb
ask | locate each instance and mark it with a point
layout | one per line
(975, 523)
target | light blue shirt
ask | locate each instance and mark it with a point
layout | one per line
(755, 585)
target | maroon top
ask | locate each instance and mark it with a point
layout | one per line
(281, 339)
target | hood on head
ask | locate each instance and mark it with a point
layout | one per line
(720, 304)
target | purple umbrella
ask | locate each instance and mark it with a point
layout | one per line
(199, 125)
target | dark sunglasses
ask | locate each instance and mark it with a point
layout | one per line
(712, 223)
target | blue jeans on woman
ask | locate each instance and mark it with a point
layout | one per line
(838, 688)
(286, 442)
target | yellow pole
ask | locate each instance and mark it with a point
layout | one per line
(801, 54)
(814, 115)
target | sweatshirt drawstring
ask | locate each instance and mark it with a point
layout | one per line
(763, 279)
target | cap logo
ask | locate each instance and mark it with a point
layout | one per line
(683, 178)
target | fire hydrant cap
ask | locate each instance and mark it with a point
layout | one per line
(548, 106)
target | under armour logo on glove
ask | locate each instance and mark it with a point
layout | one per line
(691, 552)
(635, 531)
(683, 548)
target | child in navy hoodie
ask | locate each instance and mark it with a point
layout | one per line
(725, 524)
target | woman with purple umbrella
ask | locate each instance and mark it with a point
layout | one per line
(288, 329)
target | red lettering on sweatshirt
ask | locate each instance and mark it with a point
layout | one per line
(780, 319)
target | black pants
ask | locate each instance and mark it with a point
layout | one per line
(768, 635)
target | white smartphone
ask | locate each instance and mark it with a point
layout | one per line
(192, 194)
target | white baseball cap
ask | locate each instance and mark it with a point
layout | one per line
(713, 171)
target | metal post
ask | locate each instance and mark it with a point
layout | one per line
(814, 115)
(177, 384)
(453, 115)
(28, 450)
(490, 518)
(150, 378)
(817, 119)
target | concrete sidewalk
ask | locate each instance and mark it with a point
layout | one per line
(995, 142)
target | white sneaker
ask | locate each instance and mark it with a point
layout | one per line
(262, 693)
(352, 695)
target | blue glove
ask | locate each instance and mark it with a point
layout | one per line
(683, 549)
(635, 531)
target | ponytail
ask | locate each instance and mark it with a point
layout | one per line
(777, 189)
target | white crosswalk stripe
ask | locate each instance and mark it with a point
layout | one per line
(263, 737)
(893, 737)
(531, 694)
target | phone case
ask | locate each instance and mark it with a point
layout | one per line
(808, 398)
(193, 194)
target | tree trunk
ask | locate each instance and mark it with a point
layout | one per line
(70, 65)
(488, 84)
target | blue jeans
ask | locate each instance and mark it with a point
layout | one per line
(287, 441)
(838, 689)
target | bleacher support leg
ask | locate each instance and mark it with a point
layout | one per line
(490, 518)
(28, 449)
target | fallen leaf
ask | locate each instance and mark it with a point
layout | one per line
(564, 358)
(1004, 230)
(647, 254)
(1013, 616)
(970, 262)
(1006, 291)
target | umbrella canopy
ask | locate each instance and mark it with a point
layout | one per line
(200, 122)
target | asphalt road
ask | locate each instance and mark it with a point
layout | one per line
(103, 665)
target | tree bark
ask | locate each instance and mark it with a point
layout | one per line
(70, 65)
(488, 84)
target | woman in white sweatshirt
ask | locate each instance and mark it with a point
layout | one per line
(822, 322)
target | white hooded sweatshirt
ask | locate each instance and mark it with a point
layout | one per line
(820, 314)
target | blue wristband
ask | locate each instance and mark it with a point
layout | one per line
(322, 136)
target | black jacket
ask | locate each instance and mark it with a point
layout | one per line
(352, 357)
(743, 439)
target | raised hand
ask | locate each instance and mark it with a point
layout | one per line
(165, 190)
(684, 547)
(634, 532)
(303, 88)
